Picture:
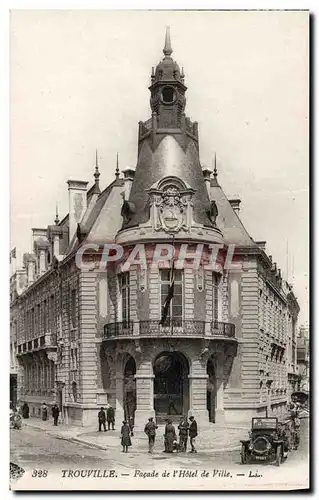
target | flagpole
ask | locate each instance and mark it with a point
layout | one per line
(172, 277)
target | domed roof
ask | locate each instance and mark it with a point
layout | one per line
(167, 69)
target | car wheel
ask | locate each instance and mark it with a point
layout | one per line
(278, 456)
(243, 455)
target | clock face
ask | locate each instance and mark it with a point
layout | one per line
(168, 95)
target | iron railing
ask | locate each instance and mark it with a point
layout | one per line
(177, 327)
(224, 329)
(118, 329)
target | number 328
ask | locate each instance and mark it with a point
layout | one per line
(39, 473)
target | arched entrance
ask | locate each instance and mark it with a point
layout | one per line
(129, 388)
(211, 390)
(171, 384)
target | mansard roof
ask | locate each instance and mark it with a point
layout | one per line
(232, 228)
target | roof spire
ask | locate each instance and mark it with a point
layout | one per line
(117, 171)
(215, 168)
(97, 173)
(168, 47)
(56, 220)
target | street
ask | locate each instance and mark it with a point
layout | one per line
(31, 448)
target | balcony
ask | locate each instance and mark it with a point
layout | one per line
(47, 341)
(118, 329)
(177, 328)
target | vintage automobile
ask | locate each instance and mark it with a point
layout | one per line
(269, 441)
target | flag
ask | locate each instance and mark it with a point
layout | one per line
(169, 297)
(13, 254)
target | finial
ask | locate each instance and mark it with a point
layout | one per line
(167, 48)
(215, 167)
(56, 220)
(96, 173)
(117, 171)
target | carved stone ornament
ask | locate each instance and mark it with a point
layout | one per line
(171, 206)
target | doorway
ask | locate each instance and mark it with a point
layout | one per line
(171, 384)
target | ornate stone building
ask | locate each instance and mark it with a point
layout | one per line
(88, 336)
(303, 359)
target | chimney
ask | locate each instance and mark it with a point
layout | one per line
(129, 174)
(29, 263)
(207, 173)
(261, 244)
(235, 203)
(77, 204)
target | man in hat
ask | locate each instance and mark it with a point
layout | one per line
(55, 413)
(192, 433)
(183, 433)
(110, 417)
(102, 419)
(150, 430)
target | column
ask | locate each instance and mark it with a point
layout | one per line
(198, 393)
(144, 394)
(119, 397)
(219, 411)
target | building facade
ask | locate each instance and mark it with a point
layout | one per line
(88, 329)
(303, 359)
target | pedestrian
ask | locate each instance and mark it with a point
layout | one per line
(110, 417)
(192, 433)
(55, 414)
(102, 419)
(25, 410)
(44, 410)
(150, 431)
(125, 436)
(183, 434)
(131, 425)
(169, 436)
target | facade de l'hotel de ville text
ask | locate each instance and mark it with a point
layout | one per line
(88, 337)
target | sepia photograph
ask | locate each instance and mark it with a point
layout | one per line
(159, 250)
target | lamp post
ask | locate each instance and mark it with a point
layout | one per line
(268, 407)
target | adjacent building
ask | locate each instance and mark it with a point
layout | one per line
(87, 327)
(303, 359)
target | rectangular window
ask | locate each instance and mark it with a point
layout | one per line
(38, 319)
(125, 297)
(32, 322)
(45, 317)
(176, 305)
(73, 308)
(52, 314)
(215, 283)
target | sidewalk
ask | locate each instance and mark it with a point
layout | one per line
(218, 438)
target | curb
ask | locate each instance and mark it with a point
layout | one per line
(103, 448)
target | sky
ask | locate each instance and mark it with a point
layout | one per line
(79, 82)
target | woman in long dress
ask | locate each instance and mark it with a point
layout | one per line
(169, 436)
(126, 438)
